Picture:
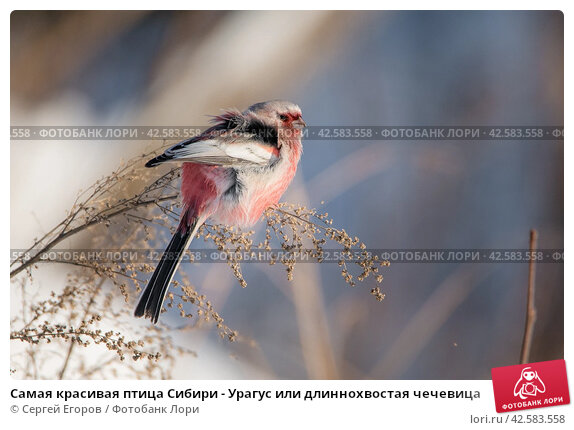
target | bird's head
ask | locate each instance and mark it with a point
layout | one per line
(279, 114)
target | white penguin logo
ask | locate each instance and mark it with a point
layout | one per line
(529, 384)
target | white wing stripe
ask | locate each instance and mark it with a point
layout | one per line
(229, 154)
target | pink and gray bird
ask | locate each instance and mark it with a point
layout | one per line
(232, 172)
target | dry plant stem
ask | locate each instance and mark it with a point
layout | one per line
(294, 227)
(310, 310)
(99, 190)
(75, 230)
(60, 334)
(86, 313)
(530, 303)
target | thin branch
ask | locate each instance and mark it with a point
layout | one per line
(284, 212)
(530, 305)
(72, 344)
(74, 336)
(97, 189)
(97, 269)
(75, 230)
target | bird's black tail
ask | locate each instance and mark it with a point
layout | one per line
(152, 298)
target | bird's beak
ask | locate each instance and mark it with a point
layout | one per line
(299, 123)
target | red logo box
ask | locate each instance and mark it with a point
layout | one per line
(529, 386)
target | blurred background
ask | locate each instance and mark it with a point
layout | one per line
(438, 321)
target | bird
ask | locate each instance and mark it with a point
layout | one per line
(231, 173)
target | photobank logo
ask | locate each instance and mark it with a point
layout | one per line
(529, 386)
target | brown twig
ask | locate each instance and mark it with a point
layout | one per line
(90, 223)
(530, 305)
(86, 313)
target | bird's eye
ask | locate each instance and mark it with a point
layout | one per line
(283, 117)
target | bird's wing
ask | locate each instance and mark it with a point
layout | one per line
(232, 142)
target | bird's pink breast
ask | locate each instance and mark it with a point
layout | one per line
(203, 189)
(268, 195)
